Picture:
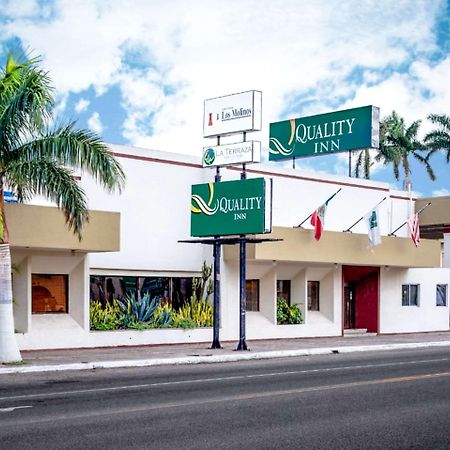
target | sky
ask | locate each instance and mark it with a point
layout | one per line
(138, 71)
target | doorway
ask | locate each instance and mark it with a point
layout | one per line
(360, 297)
(349, 306)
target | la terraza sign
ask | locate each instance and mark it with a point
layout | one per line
(229, 154)
(232, 114)
(231, 207)
(323, 134)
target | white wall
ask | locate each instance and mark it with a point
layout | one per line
(268, 291)
(446, 259)
(155, 207)
(395, 318)
(21, 292)
(79, 293)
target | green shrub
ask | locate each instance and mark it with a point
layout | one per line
(287, 314)
(138, 309)
(108, 318)
(139, 312)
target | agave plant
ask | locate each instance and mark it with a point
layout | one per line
(138, 308)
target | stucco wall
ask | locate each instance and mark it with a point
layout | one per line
(395, 318)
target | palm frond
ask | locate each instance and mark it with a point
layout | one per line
(77, 149)
(25, 104)
(45, 177)
(440, 119)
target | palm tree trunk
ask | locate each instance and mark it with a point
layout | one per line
(9, 351)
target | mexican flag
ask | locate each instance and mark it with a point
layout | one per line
(318, 220)
(373, 228)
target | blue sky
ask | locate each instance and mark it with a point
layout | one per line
(138, 71)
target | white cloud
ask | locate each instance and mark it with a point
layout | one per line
(440, 192)
(24, 8)
(290, 50)
(95, 124)
(82, 105)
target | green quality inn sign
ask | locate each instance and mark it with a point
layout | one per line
(231, 207)
(323, 134)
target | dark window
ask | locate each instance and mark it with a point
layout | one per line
(252, 295)
(410, 295)
(170, 289)
(313, 295)
(49, 293)
(284, 290)
(441, 295)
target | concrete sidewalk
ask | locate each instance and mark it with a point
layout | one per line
(96, 358)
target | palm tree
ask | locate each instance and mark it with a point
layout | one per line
(398, 143)
(439, 139)
(37, 160)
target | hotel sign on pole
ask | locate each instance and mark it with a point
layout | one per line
(323, 134)
(231, 208)
(229, 154)
(231, 114)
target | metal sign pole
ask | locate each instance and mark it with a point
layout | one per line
(350, 163)
(242, 294)
(216, 323)
(242, 283)
(216, 278)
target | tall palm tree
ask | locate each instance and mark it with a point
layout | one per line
(439, 139)
(37, 160)
(398, 143)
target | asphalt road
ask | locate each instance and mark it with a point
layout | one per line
(388, 400)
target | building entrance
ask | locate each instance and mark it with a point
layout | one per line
(360, 297)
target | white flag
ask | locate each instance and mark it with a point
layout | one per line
(373, 227)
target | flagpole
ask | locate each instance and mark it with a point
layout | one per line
(299, 226)
(404, 223)
(361, 218)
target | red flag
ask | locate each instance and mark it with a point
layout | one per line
(413, 226)
(318, 220)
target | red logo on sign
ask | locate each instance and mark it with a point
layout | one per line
(210, 120)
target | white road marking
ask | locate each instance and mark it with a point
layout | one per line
(215, 379)
(13, 408)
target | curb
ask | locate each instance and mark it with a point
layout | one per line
(185, 360)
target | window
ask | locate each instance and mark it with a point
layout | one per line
(252, 295)
(441, 295)
(174, 290)
(313, 295)
(284, 290)
(49, 293)
(410, 295)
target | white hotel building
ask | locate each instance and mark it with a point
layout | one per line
(339, 283)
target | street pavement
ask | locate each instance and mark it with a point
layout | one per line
(398, 399)
(154, 355)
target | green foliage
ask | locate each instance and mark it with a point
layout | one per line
(438, 140)
(138, 309)
(198, 311)
(287, 314)
(398, 144)
(139, 312)
(107, 318)
(163, 316)
(37, 160)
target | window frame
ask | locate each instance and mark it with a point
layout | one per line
(66, 278)
(445, 286)
(280, 293)
(309, 284)
(258, 306)
(406, 299)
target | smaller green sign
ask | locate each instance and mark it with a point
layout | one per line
(231, 207)
(334, 132)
